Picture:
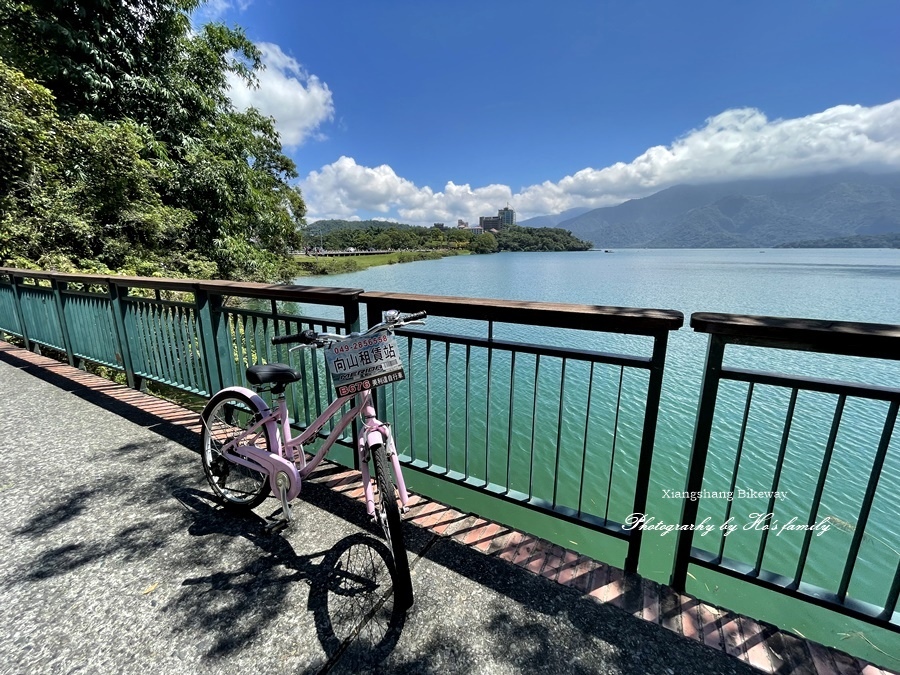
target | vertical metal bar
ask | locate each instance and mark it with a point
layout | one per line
(198, 357)
(150, 328)
(615, 440)
(509, 431)
(117, 307)
(248, 345)
(559, 421)
(194, 351)
(412, 418)
(820, 487)
(487, 405)
(206, 327)
(428, 396)
(137, 337)
(182, 346)
(890, 603)
(468, 379)
(351, 316)
(863, 519)
(262, 355)
(224, 339)
(178, 347)
(776, 478)
(447, 425)
(58, 287)
(737, 463)
(20, 314)
(168, 348)
(709, 390)
(648, 438)
(537, 372)
(587, 423)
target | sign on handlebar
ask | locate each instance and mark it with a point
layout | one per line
(364, 363)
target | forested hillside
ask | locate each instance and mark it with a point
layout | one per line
(749, 213)
(380, 235)
(120, 150)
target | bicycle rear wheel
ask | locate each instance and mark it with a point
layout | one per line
(228, 416)
(387, 513)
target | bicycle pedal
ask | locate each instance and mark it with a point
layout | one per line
(276, 526)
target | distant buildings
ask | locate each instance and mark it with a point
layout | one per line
(489, 222)
(506, 217)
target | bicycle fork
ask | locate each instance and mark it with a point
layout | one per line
(380, 434)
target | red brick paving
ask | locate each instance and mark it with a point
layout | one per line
(741, 637)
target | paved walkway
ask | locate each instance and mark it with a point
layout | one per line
(115, 558)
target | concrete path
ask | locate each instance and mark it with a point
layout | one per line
(114, 558)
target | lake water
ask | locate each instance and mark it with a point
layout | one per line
(845, 285)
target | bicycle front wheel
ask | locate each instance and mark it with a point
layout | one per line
(229, 416)
(388, 514)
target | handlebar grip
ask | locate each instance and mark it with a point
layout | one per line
(307, 337)
(415, 317)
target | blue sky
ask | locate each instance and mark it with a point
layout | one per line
(423, 111)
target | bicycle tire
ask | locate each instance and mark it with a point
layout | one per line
(387, 512)
(227, 414)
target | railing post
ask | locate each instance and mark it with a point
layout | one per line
(648, 439)
(709, 390)
(16, 282)
(351, 316)
(124, 353)
(58, 287)
(208, 315)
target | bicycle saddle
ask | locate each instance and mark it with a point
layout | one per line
(272, 373)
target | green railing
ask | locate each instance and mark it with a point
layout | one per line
(828, 475)
(496, 404)
(591, 414)
(550, 407)
(195, 336)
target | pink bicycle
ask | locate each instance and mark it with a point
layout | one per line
(248, 450)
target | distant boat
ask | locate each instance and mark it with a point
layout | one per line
(606, 250)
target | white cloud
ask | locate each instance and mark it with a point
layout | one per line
(214, 10)
(298, 101)
(735, 144)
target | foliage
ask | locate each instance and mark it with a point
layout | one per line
(517, 238)
(483, 243)
(121, 151)
(336, 235)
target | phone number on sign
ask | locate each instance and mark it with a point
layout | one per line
(360, 344)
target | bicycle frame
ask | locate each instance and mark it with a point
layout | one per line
(279, 463)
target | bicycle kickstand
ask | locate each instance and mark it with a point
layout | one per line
(278, 524)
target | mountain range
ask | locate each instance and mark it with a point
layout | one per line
(755, 213)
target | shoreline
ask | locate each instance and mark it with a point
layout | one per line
(311, 266)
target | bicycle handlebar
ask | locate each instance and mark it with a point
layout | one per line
(307, 337)
(311, 338)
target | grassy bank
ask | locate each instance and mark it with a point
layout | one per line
(307, 265)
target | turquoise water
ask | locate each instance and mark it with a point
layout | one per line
(847, 285)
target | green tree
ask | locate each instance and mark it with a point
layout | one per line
(161, 169)
(483, 243)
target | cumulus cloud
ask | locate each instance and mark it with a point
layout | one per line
(735, 144)
(299, 102)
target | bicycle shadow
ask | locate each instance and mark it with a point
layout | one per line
(350, 588)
